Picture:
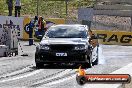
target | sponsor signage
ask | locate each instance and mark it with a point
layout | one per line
(8, 22)
(103, 78)
(83, 78)
(114, 37)
(49, 22)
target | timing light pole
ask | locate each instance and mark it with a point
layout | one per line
(66, 1)
(37, 7)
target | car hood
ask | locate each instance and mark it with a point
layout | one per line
(48, 41)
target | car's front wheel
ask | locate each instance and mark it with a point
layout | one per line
(95, 56)
(88, 63)
(39, 65)
(95, 62)
(5, 54)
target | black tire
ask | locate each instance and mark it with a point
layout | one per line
(16, 53)
(97, 60)
(88, 63)
(39, 65)
(5, 54)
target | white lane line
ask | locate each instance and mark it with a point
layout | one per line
(24, 69)
(61, 80)
(57, 75)
(102, 86)
(24, 76)
(9, 58)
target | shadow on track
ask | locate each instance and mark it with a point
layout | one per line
(58, 66)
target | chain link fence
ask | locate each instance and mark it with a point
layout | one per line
(67, 9)
(115, 23)
(59, 9)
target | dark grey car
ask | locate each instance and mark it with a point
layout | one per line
(65, 44)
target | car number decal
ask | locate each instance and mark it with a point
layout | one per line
(61, 54)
